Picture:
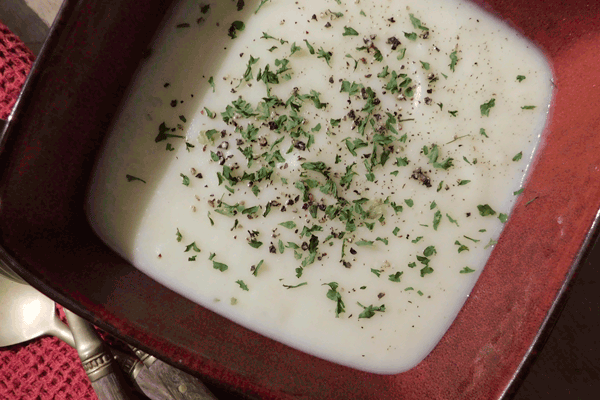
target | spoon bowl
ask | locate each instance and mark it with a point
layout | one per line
(26, 314)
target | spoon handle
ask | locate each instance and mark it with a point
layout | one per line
(97, 361)
(181, 385)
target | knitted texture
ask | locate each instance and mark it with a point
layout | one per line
(46, 368)
(15, 64)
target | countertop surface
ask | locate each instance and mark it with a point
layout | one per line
(568, 367)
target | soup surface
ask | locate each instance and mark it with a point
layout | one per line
(331, 174)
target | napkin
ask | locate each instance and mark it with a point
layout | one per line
(46, 368)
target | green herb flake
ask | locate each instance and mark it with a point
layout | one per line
(425, 65)
(192, 246)
(383, 240)
(243, 286)
(262, 3)
(349, 31)
(417, 240)
(288, 224)
(485, 210)
(236, 26)
(531, 201)
(364, 243)
(471, 239)
(412, 36)
(384, 73)
(466, 270)
(486, 107)
(178, 235)
(376, 271)
(502, 217)
(520, 78)
(220, 266)
(426, 270)
(255, 243)
(416, 23)
(518, 192)
(463, 182)
(311, 49)
(437, 218)
(461, 247)
(131, 178)
(185, 180)
(490, 243)
(482, 132)
(295, 286)
(518, 156)
(452, 220)
(334, 295)
(369, 311)
(395, 277)
(453, 61)
(527, 107)
(255, 269)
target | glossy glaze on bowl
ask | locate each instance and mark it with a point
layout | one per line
(46, 158)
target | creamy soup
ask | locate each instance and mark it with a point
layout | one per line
(330, 174)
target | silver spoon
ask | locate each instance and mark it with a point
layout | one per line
(154, 378)
(26, 314)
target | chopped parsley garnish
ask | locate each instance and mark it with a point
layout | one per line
(185, 180)
(437, 218)
(131, 178)
(410, 36)
(349, 31)
(520, 78)
(326, 55)
(262, 3)
(453, 60)
(255, 269)
(333, 294)
(220, 266)
(461, 247)
(485, 210)
(295, 286)
(518, 192)
(311, 49)
(178, 235)
(416, 23)
(395, 277)
(518, 156)
(192, 246)
(236, 26)
(485, 107)
(502, 217)
(243, 286)
(527, 107)
(369, 311)
(288, 224)
(466, 270)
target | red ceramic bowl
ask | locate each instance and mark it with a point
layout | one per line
(48, 149)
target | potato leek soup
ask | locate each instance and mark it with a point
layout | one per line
(332, 174)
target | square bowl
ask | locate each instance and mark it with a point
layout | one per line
(48, 150)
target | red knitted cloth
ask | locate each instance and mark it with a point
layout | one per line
(46, 368)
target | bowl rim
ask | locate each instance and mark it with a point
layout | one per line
(66, 12)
